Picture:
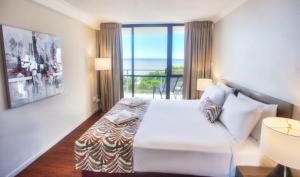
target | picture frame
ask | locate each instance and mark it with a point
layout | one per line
(32, 63)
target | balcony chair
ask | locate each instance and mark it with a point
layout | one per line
(175, 89)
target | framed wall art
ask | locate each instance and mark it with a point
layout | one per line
(32, 65)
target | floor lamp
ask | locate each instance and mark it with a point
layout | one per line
(101, 65)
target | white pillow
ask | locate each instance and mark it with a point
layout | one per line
(227, 90)
(215, 94)
(240, 117)
(268, 110)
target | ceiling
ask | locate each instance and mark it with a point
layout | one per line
(143, 11)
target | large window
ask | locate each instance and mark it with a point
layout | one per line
(153, 60)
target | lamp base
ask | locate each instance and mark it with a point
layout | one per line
(280, 171)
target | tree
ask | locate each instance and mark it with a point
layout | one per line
(149, 83)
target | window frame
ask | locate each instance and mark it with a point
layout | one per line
(169, 73)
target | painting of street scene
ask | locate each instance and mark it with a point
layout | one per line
(33, 65)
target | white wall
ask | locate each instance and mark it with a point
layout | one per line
(258, 46)
(28, 131)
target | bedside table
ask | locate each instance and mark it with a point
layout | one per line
(251, 171)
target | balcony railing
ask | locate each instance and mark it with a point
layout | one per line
(147, 72)
(152, 84)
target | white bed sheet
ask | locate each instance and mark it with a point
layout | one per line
(180, 141)
(248, 154)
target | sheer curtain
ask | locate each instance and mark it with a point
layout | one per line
(197, 57)
(109, 45)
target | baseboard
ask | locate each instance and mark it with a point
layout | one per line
(37, 155)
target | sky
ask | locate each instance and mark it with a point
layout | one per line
(151, 42)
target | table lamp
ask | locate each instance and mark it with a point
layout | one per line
(280, 141)
(203, 83)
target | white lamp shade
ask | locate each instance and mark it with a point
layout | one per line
(202, 84)
(102, 64)
(280, 141)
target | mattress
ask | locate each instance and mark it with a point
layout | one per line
(248, 154)
(175, 138)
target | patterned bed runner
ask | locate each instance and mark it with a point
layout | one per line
(106, 147)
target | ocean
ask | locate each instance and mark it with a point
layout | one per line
(146, 65)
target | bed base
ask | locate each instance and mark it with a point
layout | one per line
(137, 174)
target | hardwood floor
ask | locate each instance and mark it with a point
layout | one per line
(59, 160)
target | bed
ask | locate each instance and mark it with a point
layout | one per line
(186, 138)
(172, 139)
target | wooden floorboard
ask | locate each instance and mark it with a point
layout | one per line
(59, 160)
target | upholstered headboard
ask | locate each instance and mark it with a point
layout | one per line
(284, 109)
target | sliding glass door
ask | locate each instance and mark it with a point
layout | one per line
(153, 60)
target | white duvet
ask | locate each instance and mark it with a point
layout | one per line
(175, 138)
(179, 125)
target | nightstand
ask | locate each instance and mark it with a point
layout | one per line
(251, 171)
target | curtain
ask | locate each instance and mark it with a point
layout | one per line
(197, 57)
(109, 45)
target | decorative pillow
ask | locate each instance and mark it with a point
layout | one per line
(215, 94)
(210, 110)
(227, 90)
(240, 117)
(268, 110)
